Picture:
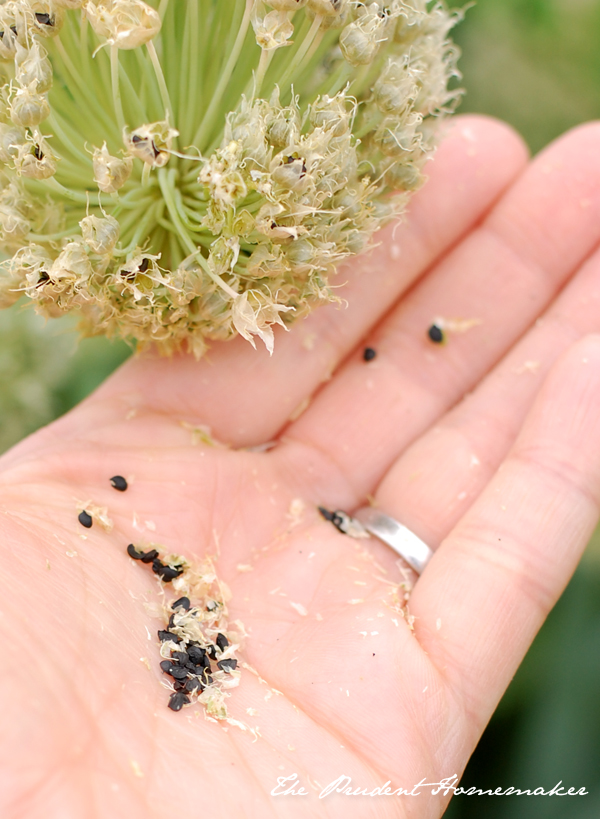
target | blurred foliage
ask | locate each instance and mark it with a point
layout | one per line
(536, 64)
(533, 63)
(44, 371)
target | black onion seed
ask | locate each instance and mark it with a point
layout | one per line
(369, 354)
(325, 513)
(165, 573)
(150, 556)
(193, 684)
(178, 685)
(163, 636)
(184, 602)
(212, 652)
(178, 700)
(222, 641)
(118, 482)
(180, 656)
(436, 334)
(178, 673)
(171, 620)
(196, 654)
(166, 666)
(227, 665)
(85, 519)
(134, 553)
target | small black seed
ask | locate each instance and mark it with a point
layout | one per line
(166, 666)
(171, 621)
(369, 354)
(222, 641)
(157, 565)
(133, 552)
(180, 656)
(193, 684)
(227, 665)
(178, 700)
(144, 265)
(178, 673)
(44, 19)
(118, 482)
(85, 519)
(325, 513)
(206, 663)
(135, 139)
(150, 556)
(163, 636)
(436, 334)
(37, 152)
(168, 574)
(178, 685)
(212, 652)
(184, 602)
(196, 654)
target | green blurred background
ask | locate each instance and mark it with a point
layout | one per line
(536, 64)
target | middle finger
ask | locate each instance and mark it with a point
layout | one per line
(504, 274)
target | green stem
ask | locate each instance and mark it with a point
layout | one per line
(311, 42)
(116, 90)
(160, 78)
(207, 123)
(163, 180)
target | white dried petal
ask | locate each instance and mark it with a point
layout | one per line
(126, 24)
(35, 160)
(151, 143)
(100, 234)
(11, 137)
(273, 30)
(29, 108)
(33, 68)
(110, 172)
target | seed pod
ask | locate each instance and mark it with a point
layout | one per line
(290, 173)
(273, 30)
(11, 137)
(14, 224)
(404, 177)
(33, 68)
(72, 264)
(100, 234)
(151, 143)
(286, 5)
(110, 172)
(358, 46)
(29, 108)
(8, 36)
(45, 20)
(396, 88)
(35, 160)
(333, 13)
(125, 23)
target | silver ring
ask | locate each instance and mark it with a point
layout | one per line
(404, 542)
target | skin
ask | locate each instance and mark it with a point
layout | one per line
(486, 447)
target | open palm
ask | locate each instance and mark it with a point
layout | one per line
(473, 445)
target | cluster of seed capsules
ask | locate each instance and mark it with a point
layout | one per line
(192, 638)
(187, 660)
(177, 208)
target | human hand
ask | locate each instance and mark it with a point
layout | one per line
(504, 484)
